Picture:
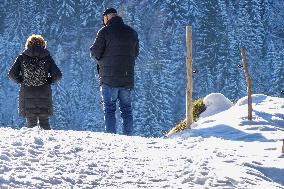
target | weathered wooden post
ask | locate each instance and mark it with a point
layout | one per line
(283, 146)
(245, 66)
(189, 111)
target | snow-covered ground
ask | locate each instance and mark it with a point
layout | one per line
(223, 150)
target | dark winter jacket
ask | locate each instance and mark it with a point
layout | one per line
(116, 47)
(35, 70)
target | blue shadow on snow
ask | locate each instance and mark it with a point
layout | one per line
(228, 133)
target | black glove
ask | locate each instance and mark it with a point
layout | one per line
(98, 69)
(20, 80)
(49, 81)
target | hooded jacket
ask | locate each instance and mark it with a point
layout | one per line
(35, 71)
(116, 47)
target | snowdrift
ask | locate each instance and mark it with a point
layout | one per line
(223, 150)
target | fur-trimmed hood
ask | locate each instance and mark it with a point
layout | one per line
(36, 51)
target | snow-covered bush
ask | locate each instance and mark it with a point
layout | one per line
(212, 104)
(198, 107)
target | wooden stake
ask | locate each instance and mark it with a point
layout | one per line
(245, 66)
(189, 111)
(283, 146)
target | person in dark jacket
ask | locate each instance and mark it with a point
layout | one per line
(35, 71)
(115, 48)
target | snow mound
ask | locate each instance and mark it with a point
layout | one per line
(215, 103)
(256, 98)
(233, 124)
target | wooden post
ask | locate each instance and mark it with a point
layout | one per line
(189, 111)
(283, 146)
(245, 66)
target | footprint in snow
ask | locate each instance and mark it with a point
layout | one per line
(229, 161)
(270, 149)
(38, 141)
(4, 157)
(255, 162)
(17, 144)
(51, 139)
(208, 121)
(281, 156)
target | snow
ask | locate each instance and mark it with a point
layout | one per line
(223, 150)
(215, 103)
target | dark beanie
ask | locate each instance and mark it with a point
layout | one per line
(109, 10)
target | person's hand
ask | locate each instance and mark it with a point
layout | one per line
(20, 80)
(49, 81)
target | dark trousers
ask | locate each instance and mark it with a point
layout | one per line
(42, 120)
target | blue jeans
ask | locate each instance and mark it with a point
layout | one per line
(110, 95)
